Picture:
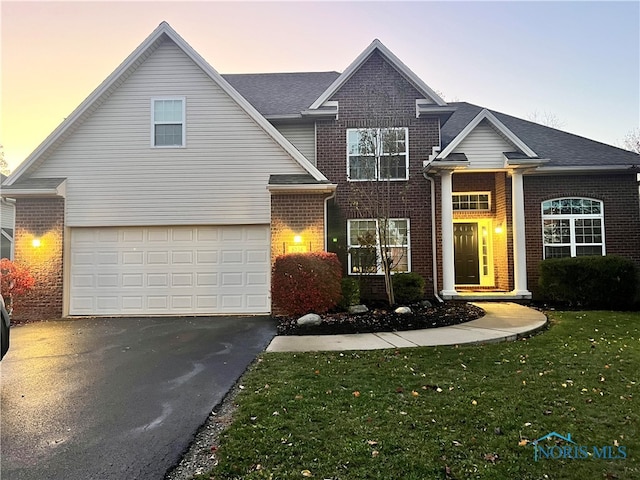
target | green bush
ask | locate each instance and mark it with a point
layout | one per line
(306, 282)
(350, 292)
(408, 287)
(608, 282)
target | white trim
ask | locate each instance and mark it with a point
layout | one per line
(491, 118)
(361, 59)
(131, 63)
(183, 122)
(378, 245)
(488, 193)
(303, 188)
(377, 155)
(572, 217)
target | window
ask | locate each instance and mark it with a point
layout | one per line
(377, 154)
(572, 227)
(472, 201)
(365, 250)
(168, 122)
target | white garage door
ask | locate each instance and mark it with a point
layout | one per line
(170, 270)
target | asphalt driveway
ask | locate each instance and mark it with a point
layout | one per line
(116, 398)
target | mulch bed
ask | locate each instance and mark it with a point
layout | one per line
(385, 320)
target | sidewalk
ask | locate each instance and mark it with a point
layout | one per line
(502, 322)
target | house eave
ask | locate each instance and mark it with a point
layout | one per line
(587, 170)
(303, 188)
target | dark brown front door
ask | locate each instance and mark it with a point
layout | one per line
(465, 243)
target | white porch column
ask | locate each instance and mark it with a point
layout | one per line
(448, 258)
(519, 246)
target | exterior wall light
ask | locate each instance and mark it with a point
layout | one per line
(499, 229)
(35, 242)
(297, 239)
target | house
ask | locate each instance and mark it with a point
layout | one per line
(7, 218)
(171, 189)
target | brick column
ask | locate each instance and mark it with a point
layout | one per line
(41, 219)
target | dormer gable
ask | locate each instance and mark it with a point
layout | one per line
(486, 143)
(426, 95)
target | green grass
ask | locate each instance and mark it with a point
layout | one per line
(444, 412)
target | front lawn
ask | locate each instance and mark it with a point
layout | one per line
(446, 412)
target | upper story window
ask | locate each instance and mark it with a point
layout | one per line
(378, 154)
(168, 122)
(472, 201)
(366, 247)
(572, 227)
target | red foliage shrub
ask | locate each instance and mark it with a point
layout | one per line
(15, 279)
(306, 282)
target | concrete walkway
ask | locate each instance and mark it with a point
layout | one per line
(502, 322)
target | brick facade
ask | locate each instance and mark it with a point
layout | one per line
(297, 215)
(378, 96)
(43, 219)
(619, 194)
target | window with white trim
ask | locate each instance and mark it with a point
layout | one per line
(479, 201)
(168, 122)
(365, 249)
(377, 154)
(572, 227)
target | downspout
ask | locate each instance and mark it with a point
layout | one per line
(434, 259)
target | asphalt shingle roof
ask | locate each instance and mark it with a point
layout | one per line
(281, 93)
(561, 148)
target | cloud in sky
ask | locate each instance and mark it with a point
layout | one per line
(579, 61)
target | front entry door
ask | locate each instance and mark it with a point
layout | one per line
(465, 238)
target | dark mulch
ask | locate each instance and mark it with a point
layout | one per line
(385, 320)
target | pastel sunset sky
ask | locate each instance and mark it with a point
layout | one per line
(578, 61)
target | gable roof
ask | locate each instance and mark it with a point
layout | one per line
(377, 45)
(281, 94)
(563, 149)
(162, 33)
(486, 115)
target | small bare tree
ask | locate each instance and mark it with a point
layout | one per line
(548, 119)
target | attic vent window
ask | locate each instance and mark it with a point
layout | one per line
(168, 125)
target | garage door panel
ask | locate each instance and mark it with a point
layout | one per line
(170, 270)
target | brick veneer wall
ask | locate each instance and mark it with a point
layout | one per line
(42, 218)
(394, 106)
(619, 194)
(296, 214)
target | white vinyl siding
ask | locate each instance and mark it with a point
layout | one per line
(219, 178)
(303, 137)
(484, 147)
(170, 270)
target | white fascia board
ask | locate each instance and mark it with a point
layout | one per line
(303, 188)
(360, 59)
(163, 29)
(587, 170)
(501, 127)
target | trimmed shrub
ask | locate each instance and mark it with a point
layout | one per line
(408, 287)
(350, 292)
(306, 282)
(609, 282)
(15, 280)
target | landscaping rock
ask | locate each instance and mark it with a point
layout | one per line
(310, 319)
(358, 309)
(426, 304)
(403, 310)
